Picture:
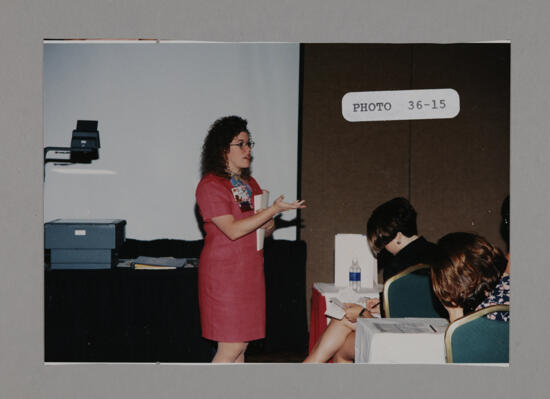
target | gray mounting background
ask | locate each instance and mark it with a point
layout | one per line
(25, 24)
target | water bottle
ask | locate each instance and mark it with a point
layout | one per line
(355, 275)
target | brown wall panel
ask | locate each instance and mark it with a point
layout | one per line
(460, 167)
(348, 168)
(454, 171)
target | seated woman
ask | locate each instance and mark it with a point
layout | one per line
(392, 226)
(501, 293)
(468, 273)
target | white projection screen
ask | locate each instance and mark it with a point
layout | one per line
(154, 102)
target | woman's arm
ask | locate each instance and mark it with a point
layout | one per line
(269, 227)
(235, 229)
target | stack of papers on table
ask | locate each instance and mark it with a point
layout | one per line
(164, 263)
(410, 325)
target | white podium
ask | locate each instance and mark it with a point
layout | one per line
(346, 248)
(400, 340)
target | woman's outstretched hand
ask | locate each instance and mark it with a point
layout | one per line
(281, 206)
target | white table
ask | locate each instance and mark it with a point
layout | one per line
(400, 340)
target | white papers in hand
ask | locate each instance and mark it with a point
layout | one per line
(335, 304)
(260, 202)
(334, 310)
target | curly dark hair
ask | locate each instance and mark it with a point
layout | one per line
(216, 145)
(465, 268)
(390, 218)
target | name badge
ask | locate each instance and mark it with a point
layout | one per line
(240, 193)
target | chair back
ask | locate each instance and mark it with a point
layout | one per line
(410, 294)
(477, 339)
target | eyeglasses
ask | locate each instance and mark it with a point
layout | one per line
(241, 144)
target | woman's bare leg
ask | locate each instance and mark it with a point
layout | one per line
(346, 353)
(240, 358)
(230, 352)
(330, 342)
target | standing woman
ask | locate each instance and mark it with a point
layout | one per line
(231, 273)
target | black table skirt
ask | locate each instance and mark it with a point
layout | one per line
(124, 315)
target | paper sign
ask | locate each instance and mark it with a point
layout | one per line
(400, 105)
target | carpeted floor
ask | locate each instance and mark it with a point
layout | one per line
(279, 357)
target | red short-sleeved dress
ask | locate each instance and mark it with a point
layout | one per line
(231, 273)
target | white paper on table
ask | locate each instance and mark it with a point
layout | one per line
(350, 296)
(405, 328)
(347, 247)
(260, 202)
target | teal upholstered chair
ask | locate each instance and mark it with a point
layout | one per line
(410, 294)
(477, 339)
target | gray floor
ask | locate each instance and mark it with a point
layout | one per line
(280, 357)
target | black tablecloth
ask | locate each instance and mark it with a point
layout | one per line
(124, 315)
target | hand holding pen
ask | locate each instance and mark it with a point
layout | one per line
(373, 305)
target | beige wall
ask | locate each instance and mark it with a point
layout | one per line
(454, 171)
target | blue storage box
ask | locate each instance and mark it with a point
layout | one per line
(84, 243)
